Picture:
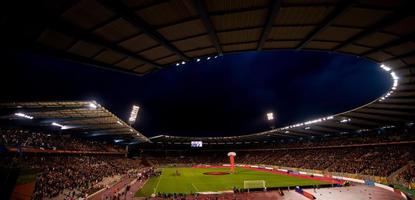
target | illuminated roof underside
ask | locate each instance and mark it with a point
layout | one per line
(140, 37)
(84, 117)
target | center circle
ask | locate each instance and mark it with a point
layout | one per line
(216, 173)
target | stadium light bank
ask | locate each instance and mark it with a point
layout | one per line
(270, 116)
(197, 60)
(395, 79)
(394, 86)
(22, 115)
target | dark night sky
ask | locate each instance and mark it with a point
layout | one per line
(225, 96)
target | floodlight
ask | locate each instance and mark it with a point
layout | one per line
(183, 62)
(216, 56)
(270, 116)
(345, 120)
(386, 68)
(198, 60)
(118, 122)
(307, 128)
(133, 114)
(208, 58)
(394, 76)
(66, 127)
(58, 125)
(177, 64)
(23, 115)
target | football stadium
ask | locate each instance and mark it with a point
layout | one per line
(207, 100)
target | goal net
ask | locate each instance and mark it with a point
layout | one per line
(254, 184)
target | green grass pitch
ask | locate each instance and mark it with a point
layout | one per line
(193, 180)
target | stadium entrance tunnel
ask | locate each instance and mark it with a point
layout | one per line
(216, 173)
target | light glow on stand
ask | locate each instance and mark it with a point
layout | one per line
(63, 127)
(92, 105)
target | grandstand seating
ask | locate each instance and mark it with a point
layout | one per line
(29, 140)
(78, 174)
(368, 160)
(371, 154)
(407, 176)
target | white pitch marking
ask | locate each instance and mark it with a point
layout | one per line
(194, 186)
(157, 186)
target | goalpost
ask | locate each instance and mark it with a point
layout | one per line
(254, 184)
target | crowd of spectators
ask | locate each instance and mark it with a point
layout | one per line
(378, 160)
(389, 135)
(51, 141)
(365, 154)
(75, 173)
(407, 176)
(375, 153)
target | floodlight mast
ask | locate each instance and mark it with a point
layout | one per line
(270, 118)
(133, 114)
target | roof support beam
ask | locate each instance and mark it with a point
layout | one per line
(398, 15)
(401, 40)
(44, 108)
(82, 60)
(208, 25)
(381, 119)
(409, 54)
(106, 129)
(295, 134)
(66, 28)
(63, 27)
(394, 113)
(399, 100)
(272, 14)
(151, 4)
(71, 119)
(392, 106)
(308, 132)
(339, 125)
(128, 14)
(343, 6)
(108, 134)
(324, 128)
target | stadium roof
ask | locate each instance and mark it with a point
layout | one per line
(85, 117)
(140, 37)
